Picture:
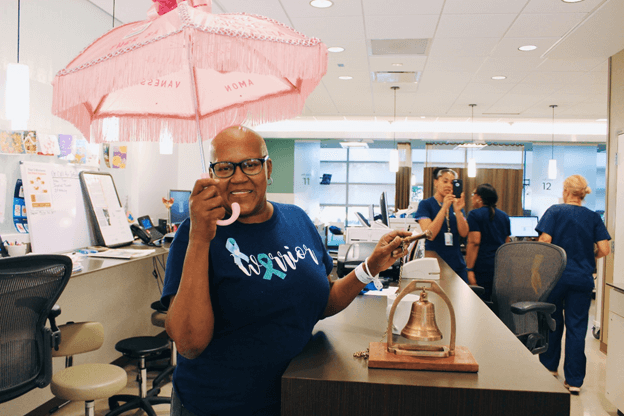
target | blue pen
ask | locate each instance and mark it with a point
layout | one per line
(84, 251)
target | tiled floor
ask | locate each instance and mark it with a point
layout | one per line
(590, 402)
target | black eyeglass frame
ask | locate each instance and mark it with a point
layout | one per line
(262, 160)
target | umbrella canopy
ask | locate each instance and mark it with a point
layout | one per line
(190, 72)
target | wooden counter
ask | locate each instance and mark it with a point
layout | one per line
(325, 379)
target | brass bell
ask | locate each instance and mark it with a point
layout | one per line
(422, 325)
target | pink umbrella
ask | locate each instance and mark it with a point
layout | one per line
(190, 73)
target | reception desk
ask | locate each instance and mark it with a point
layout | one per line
(117, 293)
(325, 379)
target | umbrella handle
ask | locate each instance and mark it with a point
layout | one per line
(234, 217)
(235, 210)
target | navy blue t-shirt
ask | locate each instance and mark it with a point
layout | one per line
(269, 287)
(493, 235)
(575, 229)
(452, 255)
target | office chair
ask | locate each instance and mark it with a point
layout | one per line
(85, 382)
(525, 272)
(29, 287)
(158, 319)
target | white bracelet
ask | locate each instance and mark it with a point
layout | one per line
(372, 278)
(361, 274)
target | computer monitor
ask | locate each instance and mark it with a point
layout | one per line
(179, 211)
(523, 226)
(362, 219)
(383, 205)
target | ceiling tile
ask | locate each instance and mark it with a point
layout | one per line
(453, 64)
(541, 6)
(469, 46)
(511, 64)
(544, 25)
(562, 65)
(483, 6)
(399, 8)
(552, 78)
(508, 47)
(401, 26)
(302, 8)
(474, 25)
(331, 30)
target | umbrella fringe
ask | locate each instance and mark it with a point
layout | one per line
(137, 128)
(222, 53)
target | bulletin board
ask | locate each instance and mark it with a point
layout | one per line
(57, 215)
(105, 209)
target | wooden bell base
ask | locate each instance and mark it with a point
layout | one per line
(462, 361)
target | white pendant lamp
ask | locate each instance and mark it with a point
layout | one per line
(17, 98)
(394, 153)
(552, 163)
(472, 163)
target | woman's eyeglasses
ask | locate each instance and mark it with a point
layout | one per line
(250, 167)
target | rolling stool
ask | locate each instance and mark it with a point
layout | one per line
(85, 382)
(141, 348)
(158, 319)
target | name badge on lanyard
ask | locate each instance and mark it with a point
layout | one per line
(448, 239)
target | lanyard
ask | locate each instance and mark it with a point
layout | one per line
(448, 221)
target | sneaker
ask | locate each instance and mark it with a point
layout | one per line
(572, 389)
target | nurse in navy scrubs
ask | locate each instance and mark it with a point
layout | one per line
(584, 237)
(443, 216)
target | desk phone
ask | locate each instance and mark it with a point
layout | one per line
(146, 231)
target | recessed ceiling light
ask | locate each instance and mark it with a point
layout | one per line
(498, 77)
(335, 49)
(345, 77)
(602, 119)
(422, 116)
(397, 64)
(321, 4)
(527, 48)
(572, 1)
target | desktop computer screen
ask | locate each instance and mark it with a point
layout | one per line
(523, 226)
(179, 211)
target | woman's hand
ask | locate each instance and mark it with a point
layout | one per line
(448, 200)
(206, 207)
(387, 251)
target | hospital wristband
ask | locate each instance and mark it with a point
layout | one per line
(361, 274)
(378, 284)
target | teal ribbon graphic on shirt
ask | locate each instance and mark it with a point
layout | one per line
(232, 247)
(264, 260)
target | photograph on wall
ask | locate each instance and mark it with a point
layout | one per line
(80, 152)
(11, 142)
(66, 144)
(119, 157)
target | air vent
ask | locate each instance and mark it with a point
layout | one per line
(399, 46)
(396, 76)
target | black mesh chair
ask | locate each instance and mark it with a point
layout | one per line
(525, 272)
(29, 287)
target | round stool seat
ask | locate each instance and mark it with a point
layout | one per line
(158, 319)
(86, 382)
(138, 347)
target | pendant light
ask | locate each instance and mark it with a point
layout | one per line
(552, 163)
(394, 153)
(17, 96)
(472, 163)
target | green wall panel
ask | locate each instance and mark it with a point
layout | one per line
(282, 153)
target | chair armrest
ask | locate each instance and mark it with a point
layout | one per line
(521, 308)
(55, 332)
(478, 290)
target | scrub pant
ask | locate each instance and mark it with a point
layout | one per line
(573, 304)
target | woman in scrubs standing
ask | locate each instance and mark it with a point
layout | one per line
(584, 237)
(443, 216)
